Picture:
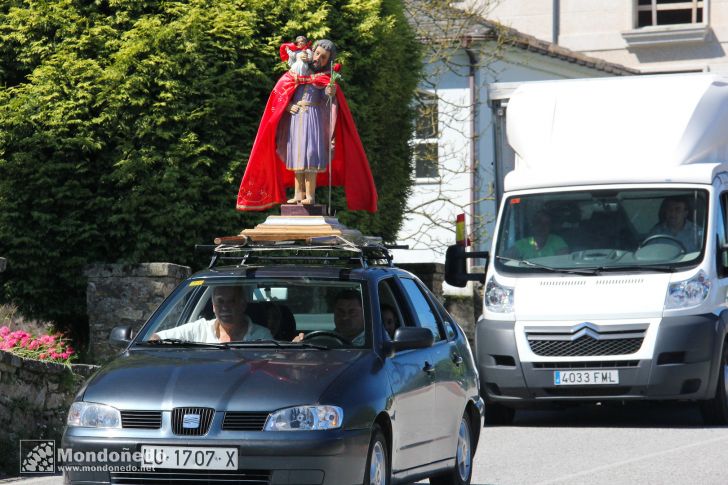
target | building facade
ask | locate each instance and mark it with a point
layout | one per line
(460, 151)
(653, 36)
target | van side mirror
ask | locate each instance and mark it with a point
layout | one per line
(121, 336)
(456, 273)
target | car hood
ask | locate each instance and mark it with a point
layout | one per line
(233, 379)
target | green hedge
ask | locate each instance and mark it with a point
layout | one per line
(125, 127)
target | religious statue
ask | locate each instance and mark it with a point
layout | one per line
(307, 137)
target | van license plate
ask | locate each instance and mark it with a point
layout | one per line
(585, 377)
(190, 457)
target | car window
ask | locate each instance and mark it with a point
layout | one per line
(422, 307)
(390, 311)
(330, 313)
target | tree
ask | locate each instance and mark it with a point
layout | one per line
(125, 126)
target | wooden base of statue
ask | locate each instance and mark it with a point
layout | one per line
(296, 222)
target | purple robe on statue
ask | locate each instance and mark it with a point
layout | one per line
(303, 139)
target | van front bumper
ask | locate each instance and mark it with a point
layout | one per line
(683, 367)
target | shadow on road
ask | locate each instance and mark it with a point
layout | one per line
(627, 415)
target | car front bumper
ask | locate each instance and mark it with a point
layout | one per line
(333, 457)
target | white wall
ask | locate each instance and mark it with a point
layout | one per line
(602, 28)
(429, 224)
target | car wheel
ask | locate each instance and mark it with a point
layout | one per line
(463, 471)
(377, 471)
(498, 414)
(715, 410)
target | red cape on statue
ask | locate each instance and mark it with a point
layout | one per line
(266, 177)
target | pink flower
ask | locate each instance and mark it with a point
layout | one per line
(42, 356)
(34, 345)
(4, 331)
(337, 67)
(65, 355)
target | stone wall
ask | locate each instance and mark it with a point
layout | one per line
(119, 294)
(34, 401)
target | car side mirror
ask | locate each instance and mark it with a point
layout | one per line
(121, 336)
(406, 338)
(456, 272)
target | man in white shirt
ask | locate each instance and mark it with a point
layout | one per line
(230, 325)
(349, 316)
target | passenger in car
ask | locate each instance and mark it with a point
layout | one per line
(277, 317)
(348, 317)
(389, 319)
(229, 325)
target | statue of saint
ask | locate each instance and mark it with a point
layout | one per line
(305, 113)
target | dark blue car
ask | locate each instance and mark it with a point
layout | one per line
(293, 365)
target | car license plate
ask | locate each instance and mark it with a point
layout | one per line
(585, 377)
(190, 457)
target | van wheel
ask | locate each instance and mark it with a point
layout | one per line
(715, 410)
(498, 414)
(377, 470)
(463, 471)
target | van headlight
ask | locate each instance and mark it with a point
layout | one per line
(498, 298)
(93, 415)
(305, 418)
(688, 293)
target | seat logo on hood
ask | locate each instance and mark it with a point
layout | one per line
(191, 421)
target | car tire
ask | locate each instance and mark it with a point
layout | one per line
(715, 410)
(498, 414)
(378, 469)
(463, 471)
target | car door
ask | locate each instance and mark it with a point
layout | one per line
(450, 396)
(410, 374)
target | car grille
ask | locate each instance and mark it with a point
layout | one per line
(584, 346)
(192, 477)
(192, 426)
(244, 421)
(141, 419)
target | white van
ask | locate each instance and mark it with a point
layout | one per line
(608, 274)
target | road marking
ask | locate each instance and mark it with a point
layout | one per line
(633, 460)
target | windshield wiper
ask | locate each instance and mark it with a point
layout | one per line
(660, 268)
(276, 343)
(182, 343)
(531, 264)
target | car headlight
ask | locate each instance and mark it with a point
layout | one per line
(688, 293)
(498, 298)
(304, 418)
(93, 415)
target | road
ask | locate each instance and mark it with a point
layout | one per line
(595, 445)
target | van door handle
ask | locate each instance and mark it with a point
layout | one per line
(457, 360)
(429, 368)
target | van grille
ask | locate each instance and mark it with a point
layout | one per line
(584, 346)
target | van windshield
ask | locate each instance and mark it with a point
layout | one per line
(602, 230)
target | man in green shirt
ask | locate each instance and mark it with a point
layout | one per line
(542, 242)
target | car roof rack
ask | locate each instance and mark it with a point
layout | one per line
(322, 251)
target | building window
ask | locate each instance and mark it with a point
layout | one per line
(425, 142)
(669, 12)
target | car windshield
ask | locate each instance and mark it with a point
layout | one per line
(590, 232)
(304, 314)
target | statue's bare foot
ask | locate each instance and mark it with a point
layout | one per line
(294, 201)
(308, 201)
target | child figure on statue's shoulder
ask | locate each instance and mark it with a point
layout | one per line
(298, 55)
